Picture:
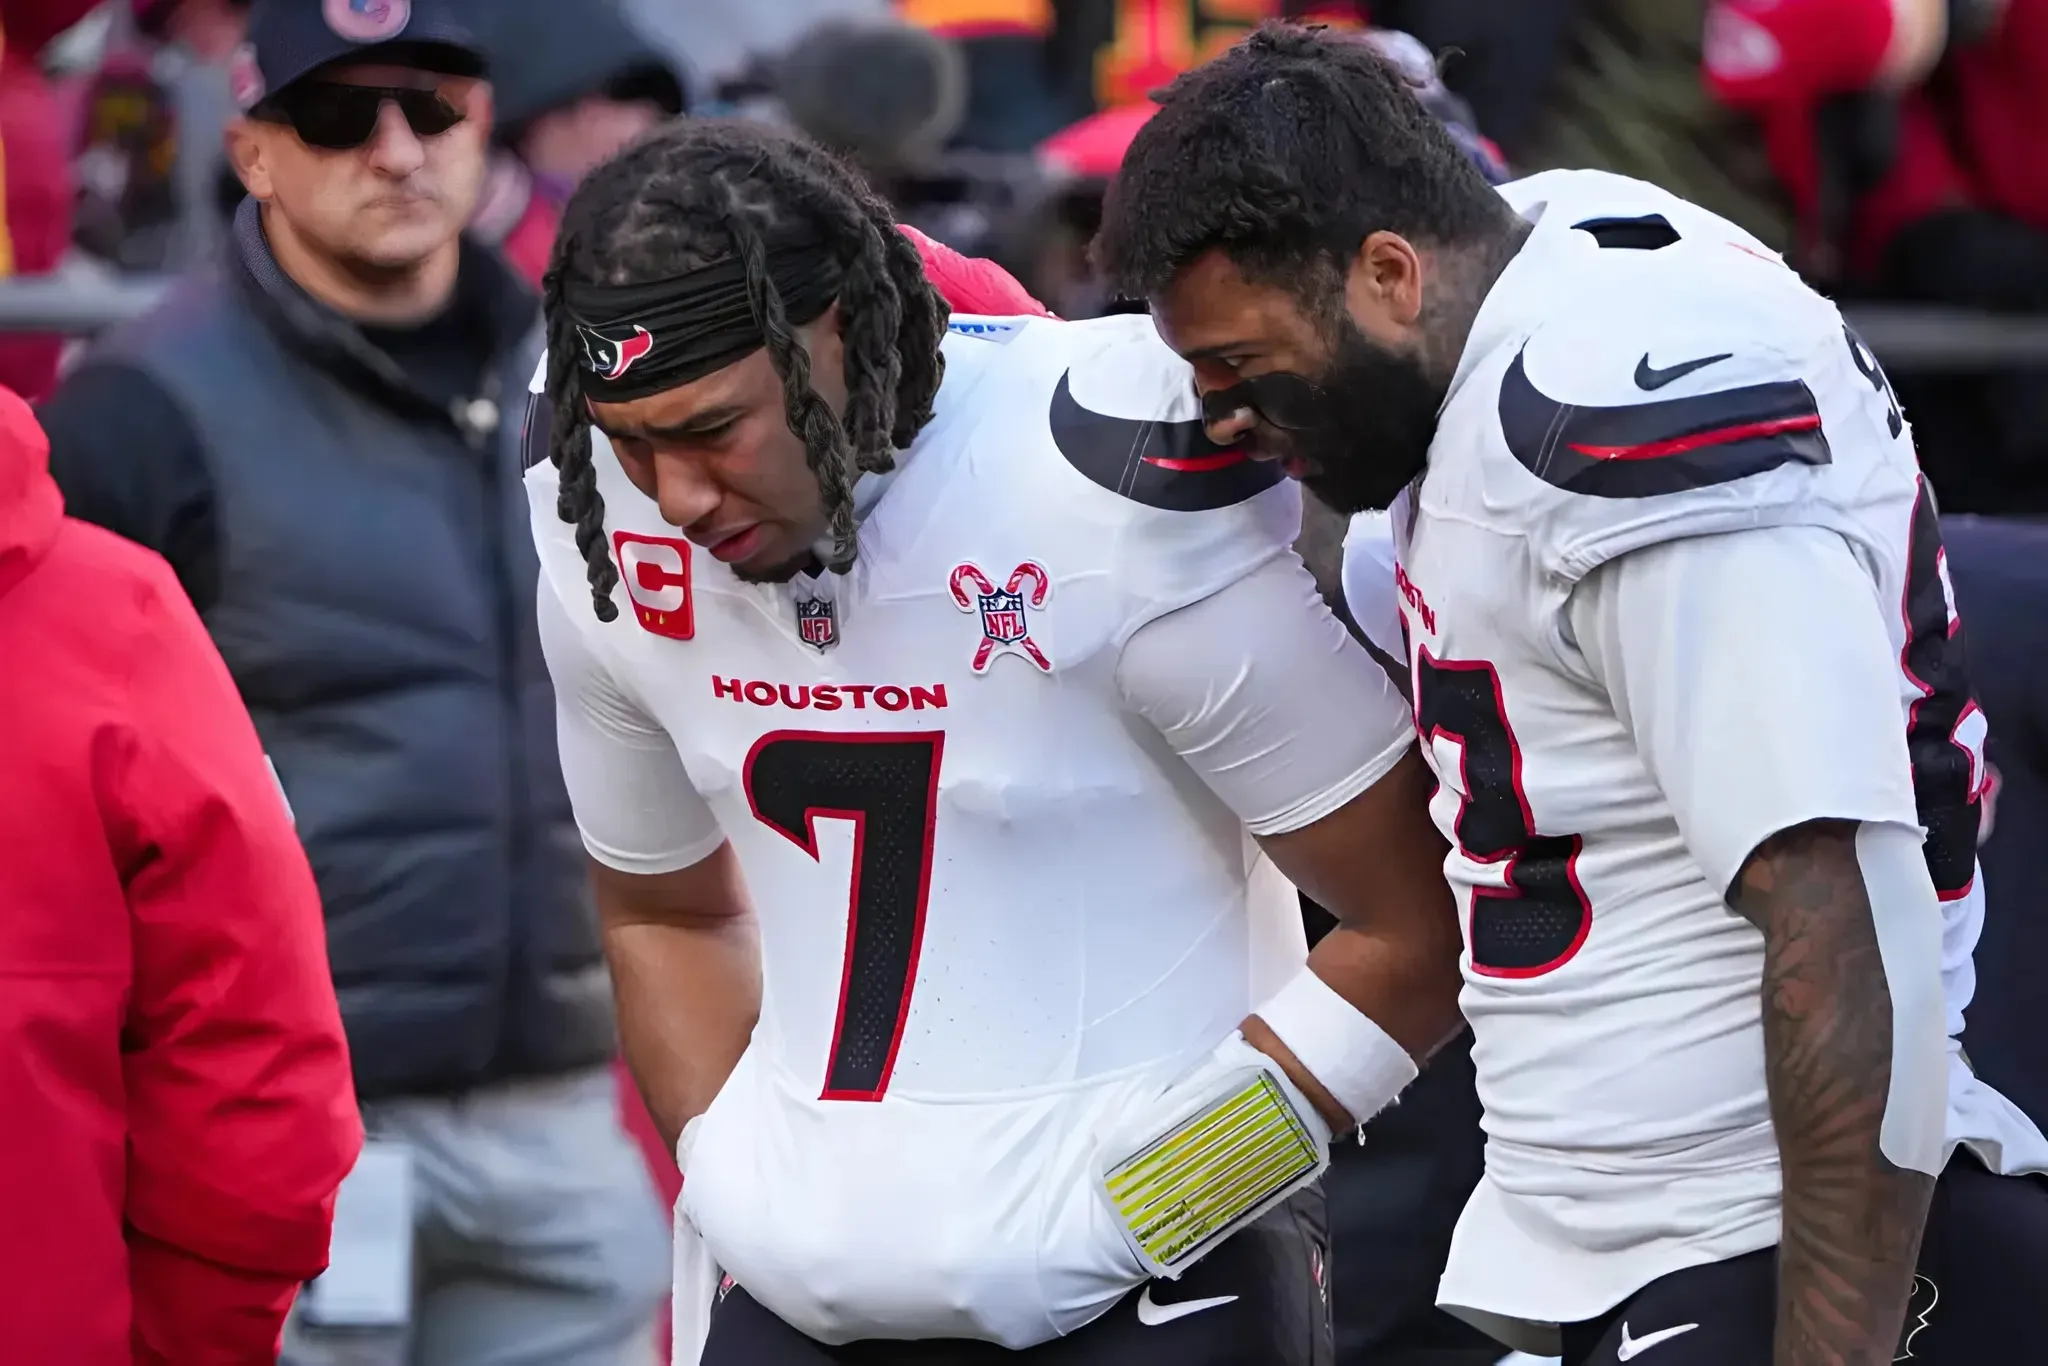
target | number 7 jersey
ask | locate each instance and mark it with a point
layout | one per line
(993, 822)
(1644, 374)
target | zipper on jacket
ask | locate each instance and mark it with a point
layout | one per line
(479, 420)
(480, 424)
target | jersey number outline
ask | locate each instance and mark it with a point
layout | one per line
(1462, 702)
(1945, 728)
(1537, 919)
(1867, 366)
(887, 784)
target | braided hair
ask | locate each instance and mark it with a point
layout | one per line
(699, 191)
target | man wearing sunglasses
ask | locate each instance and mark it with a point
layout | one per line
(309, 429)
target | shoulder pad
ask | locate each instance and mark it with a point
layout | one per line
(1688, 390)
(1662, 446)
(1682, 369)
(1125, 414)
(1099, 429)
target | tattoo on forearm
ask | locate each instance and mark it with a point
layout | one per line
(1852, 1220)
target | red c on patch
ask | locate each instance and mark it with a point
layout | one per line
(656, 572)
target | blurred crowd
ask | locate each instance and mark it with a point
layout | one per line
(1890, 148)
(1887, 146)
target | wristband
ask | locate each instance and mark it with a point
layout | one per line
(1356, 1061)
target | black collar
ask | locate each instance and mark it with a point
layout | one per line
(509, 309)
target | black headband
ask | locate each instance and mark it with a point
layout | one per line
(641, 339)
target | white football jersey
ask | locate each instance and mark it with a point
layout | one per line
(1647, 380)
(991, 794)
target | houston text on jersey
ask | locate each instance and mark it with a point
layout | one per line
(829, 696)
(1413, 596)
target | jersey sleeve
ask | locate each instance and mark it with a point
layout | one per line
(1267, 697)
(1121, 464)
(1370, 591)
(1698, 389)
(634, 802)
(1755, 672)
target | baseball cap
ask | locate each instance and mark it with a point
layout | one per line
(290, 39)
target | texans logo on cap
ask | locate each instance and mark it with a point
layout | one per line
(610, 355)
(366, 21)
(245, 77)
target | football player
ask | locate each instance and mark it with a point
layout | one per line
(1685, 661)
(946, 717)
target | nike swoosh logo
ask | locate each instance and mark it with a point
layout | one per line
(1152, 1315)
(1649, 379)
(1159, 462)
(1633, 1347)
(1667, 445)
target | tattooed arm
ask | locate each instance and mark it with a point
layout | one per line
(1755, 676)
(1852, 1220)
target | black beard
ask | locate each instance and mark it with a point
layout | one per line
(1379, 417)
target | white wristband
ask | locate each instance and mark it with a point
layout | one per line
(1356, 1061)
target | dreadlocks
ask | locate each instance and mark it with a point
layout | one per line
(705, 191)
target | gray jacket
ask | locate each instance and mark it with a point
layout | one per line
(369, 577)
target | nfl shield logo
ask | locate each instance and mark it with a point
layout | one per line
(1002, 617)
(1005, 623)
(817, 624)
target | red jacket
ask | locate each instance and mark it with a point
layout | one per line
(1971, 139)
(175, 1103)
(36, 146)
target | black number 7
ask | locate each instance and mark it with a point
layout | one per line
(887, 784)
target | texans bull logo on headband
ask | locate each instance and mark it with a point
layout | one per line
(611, 351)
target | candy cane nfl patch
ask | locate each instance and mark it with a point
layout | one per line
(1005, 612)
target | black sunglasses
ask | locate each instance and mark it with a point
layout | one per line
(1282, 399)
(340, 118)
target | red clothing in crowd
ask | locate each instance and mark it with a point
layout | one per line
(970, 284)
(1972, 139)
(516, 216)
(176, 1109)
(36, 144)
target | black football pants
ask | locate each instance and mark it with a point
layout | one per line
(1276, 1271)
(1983, 1278)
